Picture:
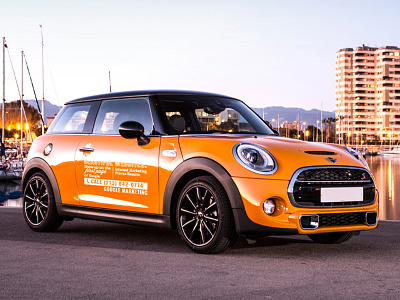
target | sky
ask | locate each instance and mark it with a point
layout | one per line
(266, 53)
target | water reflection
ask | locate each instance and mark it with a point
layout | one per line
(8, 187)
(384, 168)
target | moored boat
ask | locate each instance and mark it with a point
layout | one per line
(392, 151)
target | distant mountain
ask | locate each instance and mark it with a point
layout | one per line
(50, 109)
(292, 114)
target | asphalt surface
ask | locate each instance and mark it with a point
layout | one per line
(95, 260)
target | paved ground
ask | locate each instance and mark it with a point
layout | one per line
(87, 259)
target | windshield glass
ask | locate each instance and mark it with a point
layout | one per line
(188, 114)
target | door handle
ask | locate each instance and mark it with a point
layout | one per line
(85, 149)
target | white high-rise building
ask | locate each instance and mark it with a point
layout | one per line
(368, 94)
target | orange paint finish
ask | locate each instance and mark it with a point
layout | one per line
(168, 162)
(61, 160)
(288, 153)
(136, 178)
(198, 162)
(255, 192)
(125, 181)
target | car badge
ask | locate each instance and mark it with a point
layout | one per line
(332, 160)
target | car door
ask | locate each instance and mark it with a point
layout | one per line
(113, 172)
(72, 125)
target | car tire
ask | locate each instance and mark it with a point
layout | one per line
(331, 238)
(204, 216)
(39, 207)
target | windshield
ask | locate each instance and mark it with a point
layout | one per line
(188, 114)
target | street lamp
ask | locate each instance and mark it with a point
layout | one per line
(348, 136)
(26, 132)
(307, 134)
(389, 135)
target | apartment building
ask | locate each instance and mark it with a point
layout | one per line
(368, 95)
(292, 125)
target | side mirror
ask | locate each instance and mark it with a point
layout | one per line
(133, 130)
(276, 132)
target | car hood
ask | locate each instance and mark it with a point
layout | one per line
(289, 154)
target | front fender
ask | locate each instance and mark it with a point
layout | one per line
(203, 165)
(38, 164)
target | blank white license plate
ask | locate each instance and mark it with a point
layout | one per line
(348, 194)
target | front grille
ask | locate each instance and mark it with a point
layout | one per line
(342, 219)
(305, 185)
(334, 174)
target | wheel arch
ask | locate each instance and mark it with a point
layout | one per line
(190, 169)
(40, 165)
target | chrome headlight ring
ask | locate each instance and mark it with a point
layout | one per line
(255, 158)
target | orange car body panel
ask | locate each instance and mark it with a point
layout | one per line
(255, 188)
(62, 162)
(154, 163)
(126, 181)
(105, 172)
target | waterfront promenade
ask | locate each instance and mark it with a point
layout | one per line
(95, 260)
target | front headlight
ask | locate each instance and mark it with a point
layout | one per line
(254, 158)
(357, 155)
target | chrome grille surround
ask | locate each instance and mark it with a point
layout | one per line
(304, 187)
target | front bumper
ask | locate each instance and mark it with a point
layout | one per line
(289, 219)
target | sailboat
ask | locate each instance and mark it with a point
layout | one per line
(11, 166)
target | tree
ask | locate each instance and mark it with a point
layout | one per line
(329, 134)
(312, 130)
(13, 116)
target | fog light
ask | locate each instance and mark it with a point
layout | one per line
(269, 206)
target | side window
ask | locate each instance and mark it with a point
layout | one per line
(71, 119)
(114, 112)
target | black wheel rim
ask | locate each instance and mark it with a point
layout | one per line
(198, 215)
(36, 201)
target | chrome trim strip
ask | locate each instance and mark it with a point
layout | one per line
(312, 227)
(334, 181)
(366, 218)
(84, 149)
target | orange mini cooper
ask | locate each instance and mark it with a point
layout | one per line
(204, 164)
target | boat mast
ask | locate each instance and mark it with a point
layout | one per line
(4, 90)
(322, 128)
(109, 79)
(41, 31)
(22, 103)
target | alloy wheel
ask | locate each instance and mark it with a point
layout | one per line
(198, 215)
(36, 201)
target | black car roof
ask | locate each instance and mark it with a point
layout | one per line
(119, 95)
